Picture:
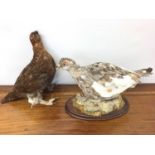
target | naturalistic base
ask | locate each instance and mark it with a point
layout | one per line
(89, 109)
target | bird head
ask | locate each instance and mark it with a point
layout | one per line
(35, 37)
(66, 63)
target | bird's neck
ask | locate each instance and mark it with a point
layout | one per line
(38, 49)
(74, 71)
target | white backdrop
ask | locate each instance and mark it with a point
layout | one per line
(124, 42)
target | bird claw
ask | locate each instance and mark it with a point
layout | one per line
(49, 102)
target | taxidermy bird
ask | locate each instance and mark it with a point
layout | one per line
(102, 80)
(36, 77)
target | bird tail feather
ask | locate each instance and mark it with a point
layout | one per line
(144, 72)
(12, 96)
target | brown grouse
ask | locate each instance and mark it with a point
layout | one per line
(36, 77)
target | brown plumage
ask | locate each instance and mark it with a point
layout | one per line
(36, 77)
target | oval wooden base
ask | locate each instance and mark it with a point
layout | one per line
(72, 111)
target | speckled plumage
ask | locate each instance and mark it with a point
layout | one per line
(102, 80)
(37, 76)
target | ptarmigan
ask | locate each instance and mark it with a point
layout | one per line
(102, 80)
(36, 77)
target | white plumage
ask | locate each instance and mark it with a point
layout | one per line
(102, 80)
(113, 88)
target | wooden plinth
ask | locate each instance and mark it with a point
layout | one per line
(74, 112)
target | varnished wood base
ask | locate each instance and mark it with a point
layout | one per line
(74, 112)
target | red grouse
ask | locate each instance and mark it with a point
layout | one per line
(36, 77)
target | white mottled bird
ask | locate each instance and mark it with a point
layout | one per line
(102, 80)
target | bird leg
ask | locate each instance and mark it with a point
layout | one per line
(37, 99)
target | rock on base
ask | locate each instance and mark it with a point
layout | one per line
(97, 107)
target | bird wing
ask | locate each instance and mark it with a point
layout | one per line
(32, 78)
(110, 80)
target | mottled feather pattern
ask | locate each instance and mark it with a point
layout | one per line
(105, 71)
(37, 75)
(102, 80)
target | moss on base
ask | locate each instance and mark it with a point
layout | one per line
(97, 107)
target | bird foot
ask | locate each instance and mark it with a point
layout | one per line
(34, 100)
(49, 102)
